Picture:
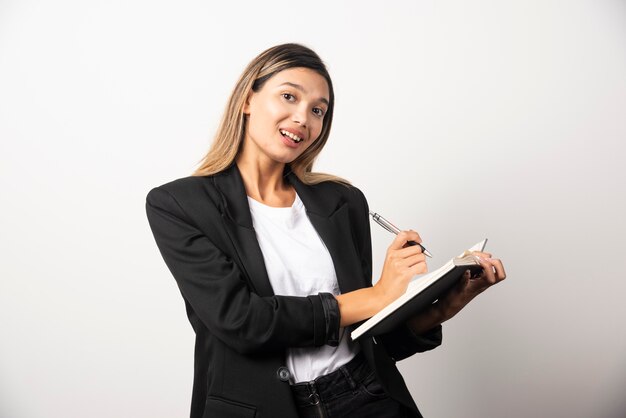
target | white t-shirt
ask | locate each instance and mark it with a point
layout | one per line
(299, 264)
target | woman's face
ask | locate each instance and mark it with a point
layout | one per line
(286, 115)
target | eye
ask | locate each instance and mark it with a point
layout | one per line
(288, 96)
(318, 111)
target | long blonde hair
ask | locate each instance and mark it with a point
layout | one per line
(231, 131)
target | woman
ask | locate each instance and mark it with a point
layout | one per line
(274, 262)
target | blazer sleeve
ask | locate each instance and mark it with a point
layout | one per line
(219, 295)
(402, 342)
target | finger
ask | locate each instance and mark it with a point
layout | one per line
(500, 273)
(419, 268)
(497, 268)
(402, 264)
(408, 251)
(488, 273)
(412, 260)
(417, 236)
(481, 254)
(403, 237)
(398, 241)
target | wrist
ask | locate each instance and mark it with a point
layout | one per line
(358, 305)
(380, 296)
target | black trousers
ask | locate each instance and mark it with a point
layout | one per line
(351, 391)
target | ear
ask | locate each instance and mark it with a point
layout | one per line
(246, 105)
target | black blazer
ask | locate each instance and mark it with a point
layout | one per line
(203, 228)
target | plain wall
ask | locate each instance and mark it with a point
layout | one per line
(461, 120)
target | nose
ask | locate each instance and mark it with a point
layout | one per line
(300, 116)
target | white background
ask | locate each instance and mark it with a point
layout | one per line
(462, 120)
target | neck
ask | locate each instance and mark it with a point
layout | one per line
(263, 181)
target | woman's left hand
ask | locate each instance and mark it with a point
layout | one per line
(460, 295)
(468, 288)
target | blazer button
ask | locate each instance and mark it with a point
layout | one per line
(283, 374)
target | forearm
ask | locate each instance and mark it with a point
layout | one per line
(364, 303)
(359, 305)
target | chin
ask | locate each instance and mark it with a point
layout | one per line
(284, 159)
(287, 160)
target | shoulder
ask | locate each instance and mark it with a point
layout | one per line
(182, 185)
(343, 193)
(176, 188)
(349, 193)
(346, 190)
(183, 193)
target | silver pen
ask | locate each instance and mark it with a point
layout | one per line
(394, 230)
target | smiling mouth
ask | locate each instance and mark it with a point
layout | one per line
(294, 138)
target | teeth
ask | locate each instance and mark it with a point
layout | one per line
(296, 138)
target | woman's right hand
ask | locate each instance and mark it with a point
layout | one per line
(402, 263)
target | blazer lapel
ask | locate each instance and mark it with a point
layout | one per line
(325, 208)
(238, 220)
(328, 212)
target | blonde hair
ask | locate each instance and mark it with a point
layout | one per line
(231, 131)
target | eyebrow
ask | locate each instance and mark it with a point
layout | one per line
(299, 87)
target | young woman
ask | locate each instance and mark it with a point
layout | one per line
(274, 262)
